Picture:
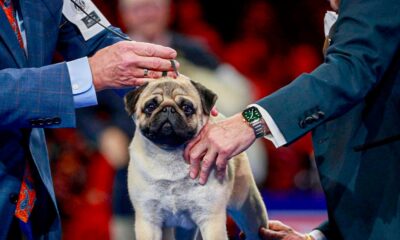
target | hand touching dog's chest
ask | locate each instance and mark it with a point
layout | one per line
(161, 189)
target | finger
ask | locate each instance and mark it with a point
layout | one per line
(277, 225)
(195, 166)
(271, 234)
(133, 81)
(214, 111)
(221, 166)
(207, 164)
(171, 74)
(153, 50)
(155, 63)
(142, 73)
(189, 146)
(196, 154)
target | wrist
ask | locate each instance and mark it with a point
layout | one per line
(254, 119)
(93, 69)
(247, 129)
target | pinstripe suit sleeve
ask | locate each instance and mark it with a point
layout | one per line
(36, 97)
(363, 46)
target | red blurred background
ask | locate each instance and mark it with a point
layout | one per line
(270, 43)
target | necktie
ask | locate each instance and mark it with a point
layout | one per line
(27, 194)
(9, 11)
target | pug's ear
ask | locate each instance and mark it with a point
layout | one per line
(208, 97)
(131, 99)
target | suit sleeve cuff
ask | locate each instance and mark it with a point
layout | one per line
(83, 90)
(317, 235)
(276, 136)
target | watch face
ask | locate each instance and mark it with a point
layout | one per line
(251, 114)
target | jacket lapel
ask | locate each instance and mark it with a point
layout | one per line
(31, 13)
(10, 40)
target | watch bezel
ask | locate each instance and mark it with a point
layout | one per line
(248, 110)
(257, 124)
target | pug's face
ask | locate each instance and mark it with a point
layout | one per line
(169, 112)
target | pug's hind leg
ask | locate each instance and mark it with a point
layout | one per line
(214, 228)
(145, 230)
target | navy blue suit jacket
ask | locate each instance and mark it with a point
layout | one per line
(351, 103)
(34, 95)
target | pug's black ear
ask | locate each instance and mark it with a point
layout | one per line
(131, 99)
(208, 97)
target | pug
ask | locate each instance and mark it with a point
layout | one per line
(168, 113)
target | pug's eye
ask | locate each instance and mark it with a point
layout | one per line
(187, 109)
(150, 107)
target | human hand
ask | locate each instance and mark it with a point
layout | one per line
(216, 144)
(214, 111)
(335, 4)
(279, 231)
(123, 64)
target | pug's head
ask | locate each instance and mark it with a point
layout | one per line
(170, 112)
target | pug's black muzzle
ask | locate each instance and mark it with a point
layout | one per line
(168, 129)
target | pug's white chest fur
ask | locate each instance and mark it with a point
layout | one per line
(162, 191)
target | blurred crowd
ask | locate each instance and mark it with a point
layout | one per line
(243, 50)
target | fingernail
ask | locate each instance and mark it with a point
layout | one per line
(192, 175)
(202, 181)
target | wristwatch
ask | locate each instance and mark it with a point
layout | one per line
(254, 118)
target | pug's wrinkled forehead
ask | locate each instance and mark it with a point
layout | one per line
(176, 92)
(167, 91)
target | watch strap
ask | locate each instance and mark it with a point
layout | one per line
(258, 128)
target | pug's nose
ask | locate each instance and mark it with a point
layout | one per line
(169, 109)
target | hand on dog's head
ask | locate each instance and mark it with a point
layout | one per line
(170, 112)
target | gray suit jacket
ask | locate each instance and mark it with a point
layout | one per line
(351, 103)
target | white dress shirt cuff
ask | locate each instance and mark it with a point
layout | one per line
(82, 83)
(317, 235)
(329, 19)
(276, 136)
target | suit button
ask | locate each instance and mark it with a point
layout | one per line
(302, 124)
(309, 120)
(48, 121)
(315, 116)
(40, 122)
(33, 122)
(14, 198)
(57, 120)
